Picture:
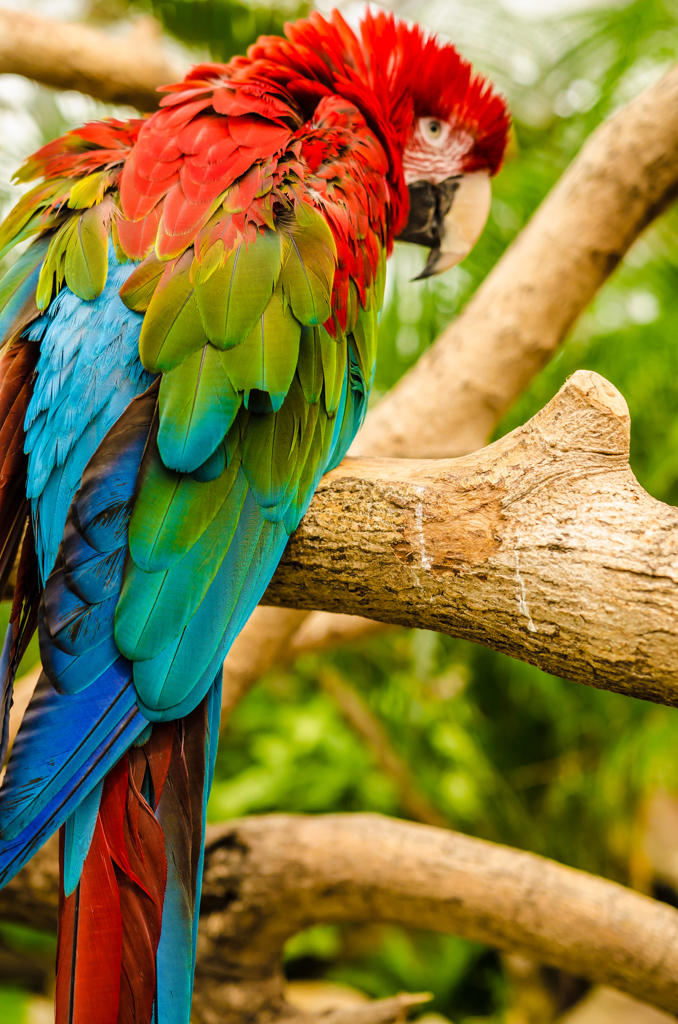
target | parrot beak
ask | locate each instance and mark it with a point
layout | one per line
(449, 217)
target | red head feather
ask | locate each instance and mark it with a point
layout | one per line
(281, 110)
(394, 73)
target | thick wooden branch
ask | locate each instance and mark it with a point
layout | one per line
(542, 545)
(268, 877)
(68, 56)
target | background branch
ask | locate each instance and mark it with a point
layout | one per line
(268, 877)
(69, 56)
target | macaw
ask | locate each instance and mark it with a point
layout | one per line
(189, 345)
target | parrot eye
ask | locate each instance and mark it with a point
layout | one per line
(432, 129)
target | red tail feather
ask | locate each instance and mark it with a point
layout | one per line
(90, 942)
(109, 927)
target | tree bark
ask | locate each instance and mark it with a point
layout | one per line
(268, 877)
(70, 56)
(543, 546)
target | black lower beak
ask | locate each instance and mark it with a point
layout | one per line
(429, 205)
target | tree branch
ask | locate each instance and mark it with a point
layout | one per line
(268, 877)
(69, 56)
(543, 546)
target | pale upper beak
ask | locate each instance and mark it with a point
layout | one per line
(449, 217)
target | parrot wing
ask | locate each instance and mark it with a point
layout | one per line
(200, 310)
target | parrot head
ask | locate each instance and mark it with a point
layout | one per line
(435, 128)
(453, 134)
(443, 127)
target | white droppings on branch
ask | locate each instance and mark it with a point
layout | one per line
(419, 527)
(522, 595)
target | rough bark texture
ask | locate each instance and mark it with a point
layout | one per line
(543, 546)
(268, 877)
(68, 56)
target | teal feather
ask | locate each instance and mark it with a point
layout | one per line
(149, 616)
(172, 511)
(161, 681)
(271, 448)
(78, 832)
(211, 468)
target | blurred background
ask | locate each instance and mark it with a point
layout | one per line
(411, 723)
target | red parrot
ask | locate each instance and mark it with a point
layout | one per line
(189, 344)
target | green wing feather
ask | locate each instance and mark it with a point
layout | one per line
(172, 328)
(86, 256)
(310, 258)
(271, 448)
(234, 296)
(172, 511)
(139, 288)
(198, 405)
(310, 364)
(266, 360)
(250, 412)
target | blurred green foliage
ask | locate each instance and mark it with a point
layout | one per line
(503, 750)
(224, 27)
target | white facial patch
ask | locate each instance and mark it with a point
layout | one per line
(435, 151)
